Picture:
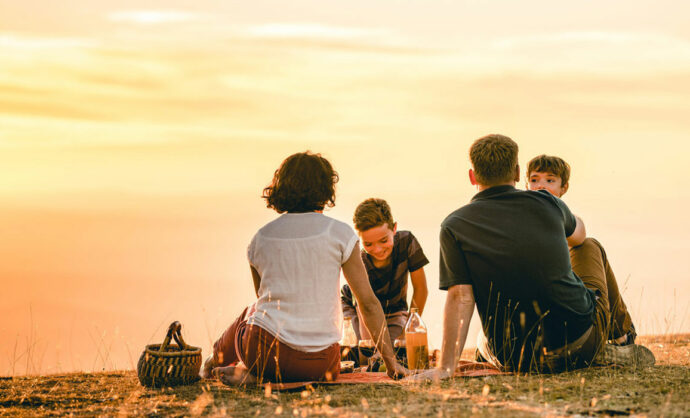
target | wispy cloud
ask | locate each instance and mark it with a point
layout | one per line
(313, 30)
(24, 43)
(589, 51)
(151, 17)
(279, 81)
(588, 37)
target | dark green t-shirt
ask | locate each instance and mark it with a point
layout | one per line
(510, 245)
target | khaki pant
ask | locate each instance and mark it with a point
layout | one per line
(591, 264)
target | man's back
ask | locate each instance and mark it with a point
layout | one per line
(510, 245)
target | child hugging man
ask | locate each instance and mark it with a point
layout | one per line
(589, 259)
(388, 256)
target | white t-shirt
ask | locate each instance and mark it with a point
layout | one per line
(299, 256)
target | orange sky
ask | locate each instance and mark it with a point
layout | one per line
(135, 141)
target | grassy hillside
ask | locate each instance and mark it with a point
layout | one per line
(661, 390)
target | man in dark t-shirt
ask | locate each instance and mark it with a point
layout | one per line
(510, 246)
(508, 251)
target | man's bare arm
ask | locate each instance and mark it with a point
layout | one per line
(456, 323)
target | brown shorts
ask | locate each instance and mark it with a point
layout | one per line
(271, 360)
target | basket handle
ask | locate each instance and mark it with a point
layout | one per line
(178, 338)
(174, 332)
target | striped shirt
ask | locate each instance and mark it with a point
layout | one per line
(390, 282)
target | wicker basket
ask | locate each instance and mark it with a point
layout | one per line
(168, 364)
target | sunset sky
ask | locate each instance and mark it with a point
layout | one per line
(136, 137)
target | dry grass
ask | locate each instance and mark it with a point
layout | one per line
(662, 390)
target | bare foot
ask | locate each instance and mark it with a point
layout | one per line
(234, 375)
(207, 367)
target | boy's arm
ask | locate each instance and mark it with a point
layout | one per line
(419, 289)
(579, 234)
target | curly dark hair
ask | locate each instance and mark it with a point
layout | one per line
(305, 182)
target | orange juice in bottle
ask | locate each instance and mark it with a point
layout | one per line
(416, 342)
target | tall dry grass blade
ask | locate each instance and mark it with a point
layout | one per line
(129, 353)
(14, 355)
(98, 351)
(107, 351)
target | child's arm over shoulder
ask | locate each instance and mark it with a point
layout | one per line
(579, 234)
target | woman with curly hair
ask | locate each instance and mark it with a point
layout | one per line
(291, 333)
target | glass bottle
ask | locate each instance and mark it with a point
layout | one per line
(416, 342)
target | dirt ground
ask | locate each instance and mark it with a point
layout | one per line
(663, 390)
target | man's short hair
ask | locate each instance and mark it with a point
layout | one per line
(550, 164)
(494, 159)
(372, 213)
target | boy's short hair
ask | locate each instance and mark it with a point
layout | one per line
(372, 213)
(494, 159)
(305, 182)
(549, 164)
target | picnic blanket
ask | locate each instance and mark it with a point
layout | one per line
(464, 369)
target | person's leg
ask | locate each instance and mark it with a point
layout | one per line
(396, 329)
(268, 359)
(396, 324)
(621, 321)
(225, 348)
(298, 366)
(590, 263)
(237, 372)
